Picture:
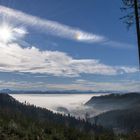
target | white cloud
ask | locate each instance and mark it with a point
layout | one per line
(83, 85)
(57, 29)
(14, 58)
(23, 85)
(51, 27)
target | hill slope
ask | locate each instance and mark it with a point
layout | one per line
(123, 111)
(114, 101)
(27, 122)
(125, 119)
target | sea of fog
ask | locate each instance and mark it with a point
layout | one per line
(62, 103)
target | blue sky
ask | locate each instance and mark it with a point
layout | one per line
(66, 45)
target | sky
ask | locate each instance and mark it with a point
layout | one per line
(67, 45)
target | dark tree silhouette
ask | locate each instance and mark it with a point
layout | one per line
(133, 16)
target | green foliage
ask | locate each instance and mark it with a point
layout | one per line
(27, 122)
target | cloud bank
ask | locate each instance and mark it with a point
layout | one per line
(83, 85)
(14, 58)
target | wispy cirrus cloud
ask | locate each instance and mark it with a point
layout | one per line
(51, 27)
(57, 29)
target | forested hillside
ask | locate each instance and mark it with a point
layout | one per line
(27, 122)
(114, 101)
(127, 120)
(20, 121)
(122, 112)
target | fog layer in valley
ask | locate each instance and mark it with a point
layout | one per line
(62, 103)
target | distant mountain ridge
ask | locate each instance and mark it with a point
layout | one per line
(9, 91)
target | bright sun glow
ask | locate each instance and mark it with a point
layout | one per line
(6, 33)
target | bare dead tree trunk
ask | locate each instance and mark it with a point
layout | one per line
(137, 27)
